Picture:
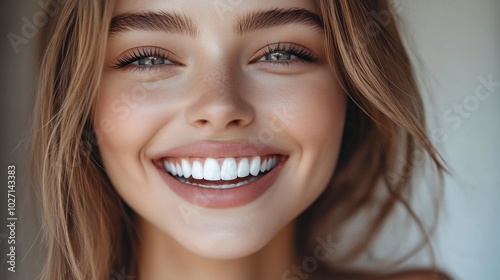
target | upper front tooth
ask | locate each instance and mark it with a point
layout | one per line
(186, 168)
(269, 164)
(211, 170)
(263, 166)
(197, 170)
(179, 170)
(229, 169)
(173, 169)
(243, 168)
(255, 166)
(166, 165)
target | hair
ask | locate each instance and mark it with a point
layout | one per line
(89, 230)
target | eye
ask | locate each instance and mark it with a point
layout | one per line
(286, 53)
(151, 61)
(278, 56)
(142, 59)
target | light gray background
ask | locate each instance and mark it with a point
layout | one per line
(17, 82)
(456, 41)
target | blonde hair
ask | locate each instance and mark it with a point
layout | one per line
(89, 229)
(83, 219)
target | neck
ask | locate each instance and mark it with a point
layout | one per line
(161, 257)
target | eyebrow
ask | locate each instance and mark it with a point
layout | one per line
(163, 21)
(171, 22)
(277, 17)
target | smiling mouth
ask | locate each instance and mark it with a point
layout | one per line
(220, 173)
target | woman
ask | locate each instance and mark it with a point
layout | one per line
(222, 139)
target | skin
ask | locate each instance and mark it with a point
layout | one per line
(217, 90)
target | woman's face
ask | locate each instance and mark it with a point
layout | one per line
(218, 122)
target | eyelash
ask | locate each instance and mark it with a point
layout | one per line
(126, 60)
(302, 53)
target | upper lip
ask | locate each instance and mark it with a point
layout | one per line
(219, 150)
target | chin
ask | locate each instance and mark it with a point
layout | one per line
(226, 248)
(218, 242)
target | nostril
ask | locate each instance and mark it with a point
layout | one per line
(235, 122)
(202, 122)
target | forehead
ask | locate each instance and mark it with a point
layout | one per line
(205, 9)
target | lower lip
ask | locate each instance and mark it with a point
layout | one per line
(223, 198)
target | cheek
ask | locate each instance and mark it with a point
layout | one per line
(316, 126)
(312, 109)
(125, 116)
(318, 130)
(320, 116)
(315, 112)
(114, 121)
(123, 123)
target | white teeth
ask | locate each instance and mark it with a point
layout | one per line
(186, 168)
(197, 170)
(263, 166)
(211, 170)
(173, 170)
(243, 168)
(255, 166)
(269, 164)
(229, 169)
(179, 170)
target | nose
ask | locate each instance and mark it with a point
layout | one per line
(218, 103)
